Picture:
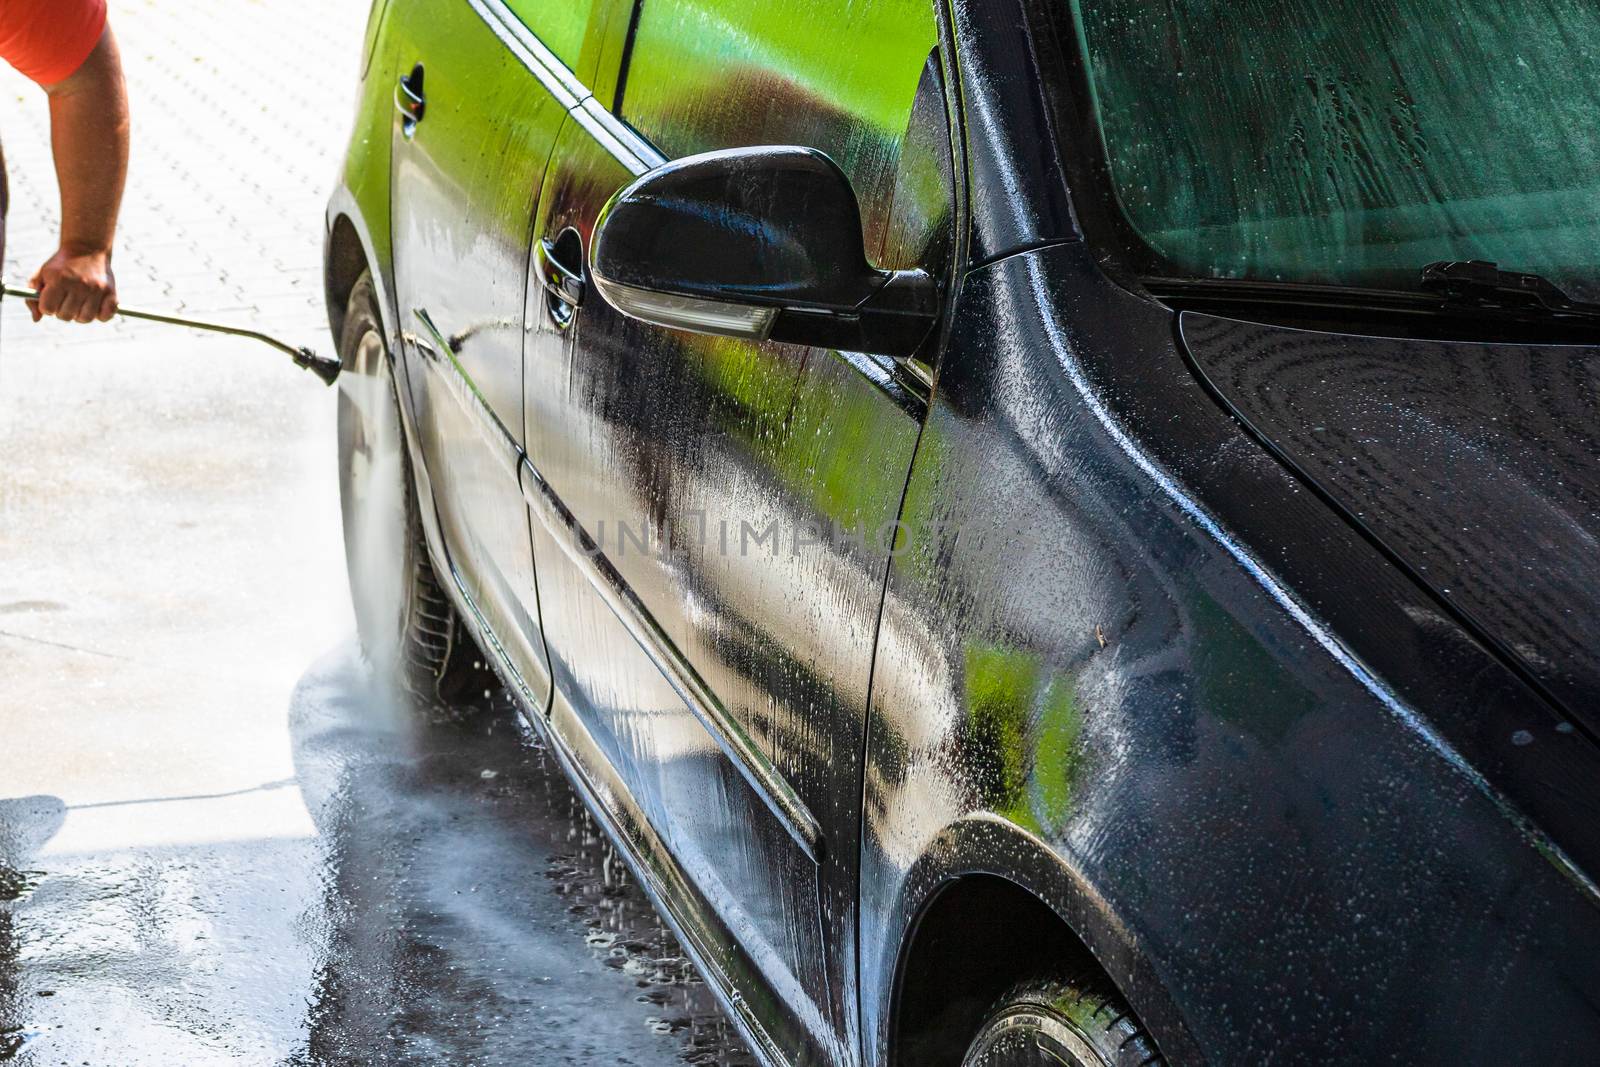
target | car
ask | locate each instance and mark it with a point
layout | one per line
(1046, 532)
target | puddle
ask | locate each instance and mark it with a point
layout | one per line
(17, 885)
(14, 1039)
(626, 934)
(474, 912)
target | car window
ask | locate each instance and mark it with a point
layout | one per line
(836, 75)
(559, 24)
(1352, 143)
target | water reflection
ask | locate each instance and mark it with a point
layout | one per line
(471, 909)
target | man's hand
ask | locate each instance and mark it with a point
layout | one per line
(75, 287)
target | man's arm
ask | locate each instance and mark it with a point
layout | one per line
(89, 135)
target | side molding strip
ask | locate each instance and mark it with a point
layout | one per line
(757, 769)
(764, 778)
(612, 134)
(441, 354)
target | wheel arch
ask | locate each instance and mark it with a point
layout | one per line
(991, 895)
(347, 251)
(344, 259)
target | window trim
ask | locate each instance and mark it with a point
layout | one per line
(562, 83)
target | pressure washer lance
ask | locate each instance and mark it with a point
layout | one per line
(326, 369)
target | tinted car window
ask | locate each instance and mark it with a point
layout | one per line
(836, 75)
(560, 24)
(1352, 143)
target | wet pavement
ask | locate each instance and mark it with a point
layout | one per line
(220, 843)
(467, 877)
(455, 904)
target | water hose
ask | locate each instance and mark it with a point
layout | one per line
(326, 369)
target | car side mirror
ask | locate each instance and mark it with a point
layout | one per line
(758, 243)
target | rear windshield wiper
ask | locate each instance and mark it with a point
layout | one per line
(1474, 284)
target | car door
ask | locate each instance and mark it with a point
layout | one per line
(718, 514)
(484, 86)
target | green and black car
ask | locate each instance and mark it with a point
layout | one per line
(1048, 531)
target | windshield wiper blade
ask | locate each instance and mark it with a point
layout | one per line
(1475, 283)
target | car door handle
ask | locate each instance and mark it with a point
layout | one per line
(409, 100)
(562, 281)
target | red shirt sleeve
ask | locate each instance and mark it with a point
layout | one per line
(48, 40)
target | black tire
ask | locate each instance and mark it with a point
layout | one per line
(407, 625)
(1079, 1022)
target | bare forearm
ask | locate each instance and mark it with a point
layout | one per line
(89, 135)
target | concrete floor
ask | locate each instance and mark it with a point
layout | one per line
(217, 844)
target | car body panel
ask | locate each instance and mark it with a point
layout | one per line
(729, 701)
(739, 474)
(1473, 464)
(1015, 167)
(1127, 659)
(1252, 820)
(463, 195)
(361, 198)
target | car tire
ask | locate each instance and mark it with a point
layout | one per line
(408, 628)
(1080, 1022)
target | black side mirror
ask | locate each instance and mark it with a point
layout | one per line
(759, 243)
